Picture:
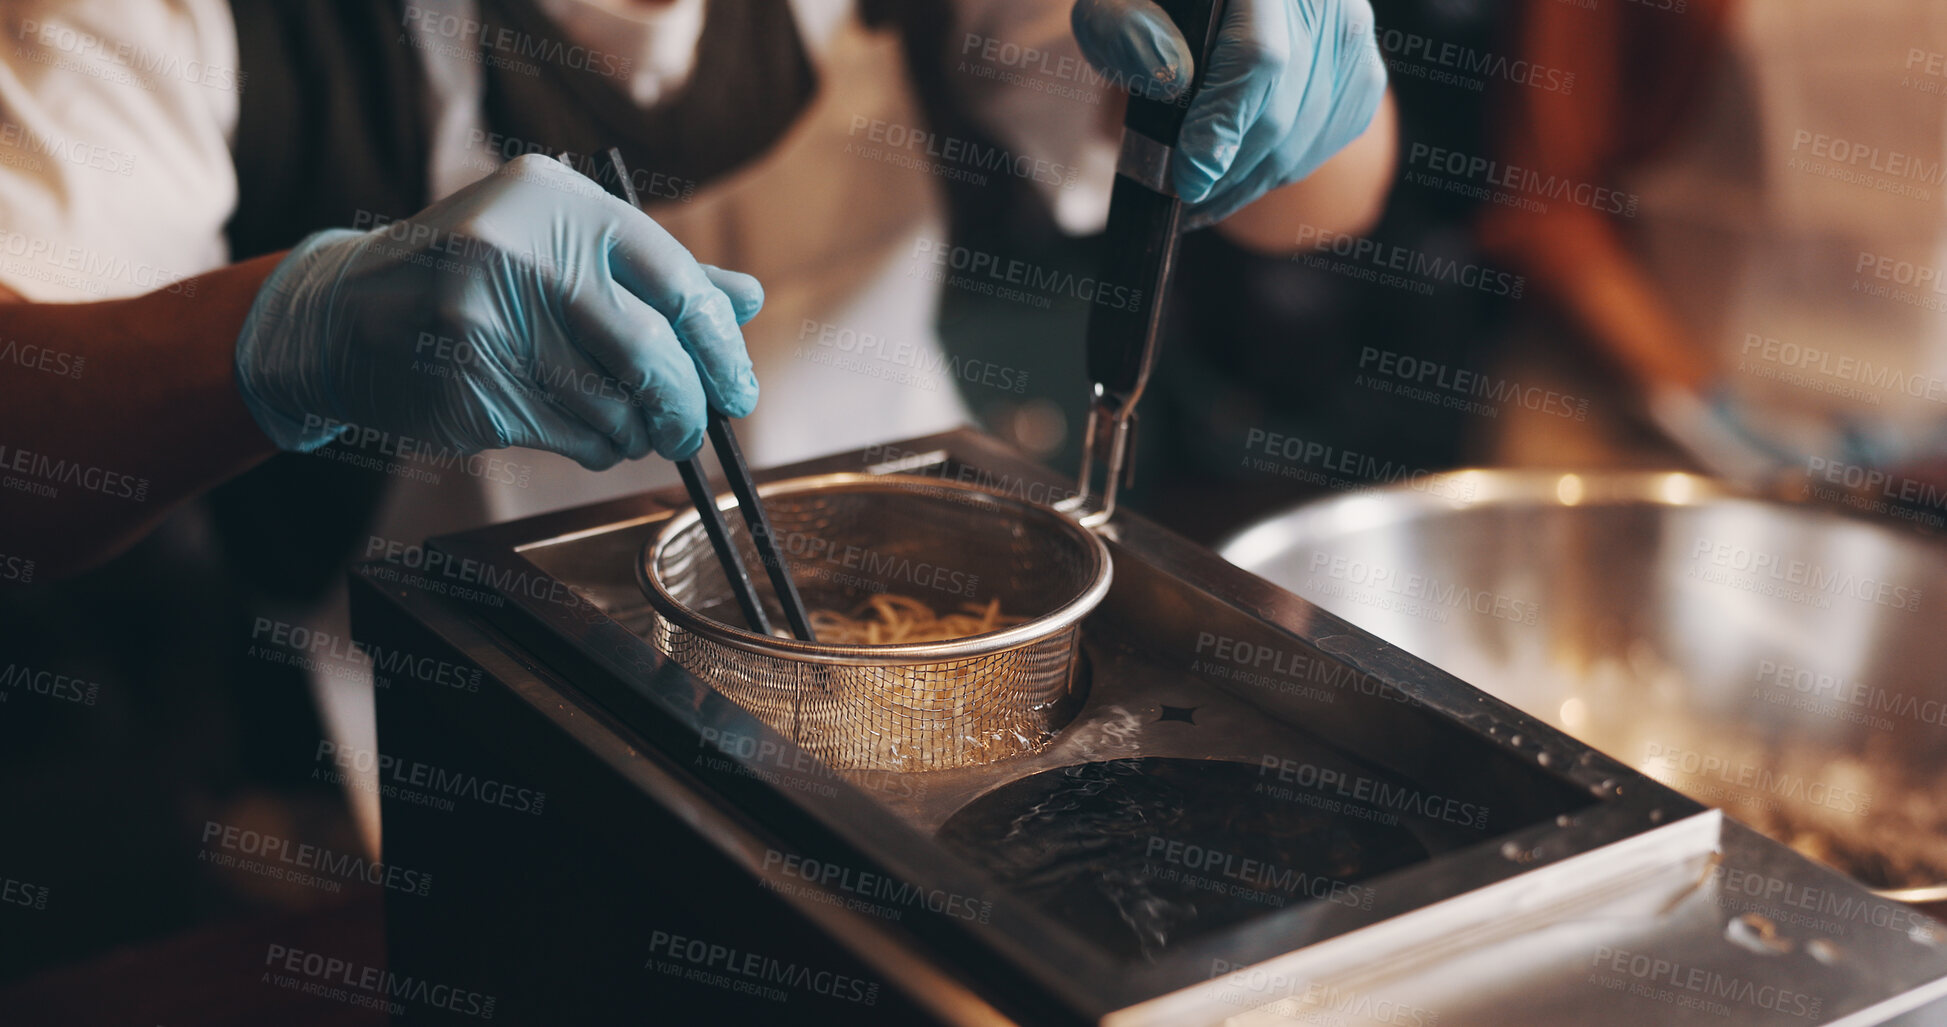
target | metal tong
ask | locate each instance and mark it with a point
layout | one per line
(1140, 248)
(731, 455)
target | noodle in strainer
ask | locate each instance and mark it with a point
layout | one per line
(947, 616)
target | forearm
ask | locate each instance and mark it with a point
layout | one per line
(1344, 196)
(145, 415)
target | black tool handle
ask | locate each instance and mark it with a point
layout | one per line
(1140, 243)
(1161, 119)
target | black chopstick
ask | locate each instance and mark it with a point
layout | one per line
(727, 555)
(731, 456)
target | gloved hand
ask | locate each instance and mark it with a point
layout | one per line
(529, 309)
(1290, 83)
(1754, 446)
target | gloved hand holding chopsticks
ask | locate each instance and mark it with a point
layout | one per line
(1291, 83)
(528, 309)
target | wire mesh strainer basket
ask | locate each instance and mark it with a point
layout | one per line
(906, 706)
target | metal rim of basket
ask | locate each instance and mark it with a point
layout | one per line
(1099, 572)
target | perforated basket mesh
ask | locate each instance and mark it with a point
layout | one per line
(914, 706)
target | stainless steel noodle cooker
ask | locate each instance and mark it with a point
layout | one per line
(1203, 682)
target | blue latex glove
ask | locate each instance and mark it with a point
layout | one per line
(529, 309)
(1290, 83)
(1737, 440)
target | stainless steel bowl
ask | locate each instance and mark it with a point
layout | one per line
(1784, 663)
